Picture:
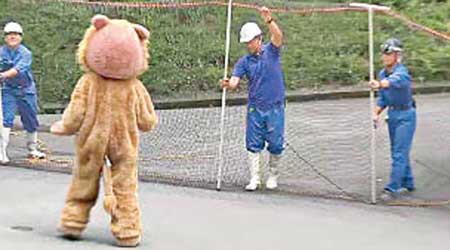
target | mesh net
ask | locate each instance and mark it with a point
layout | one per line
(328, 149)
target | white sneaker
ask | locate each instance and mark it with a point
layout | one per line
(387, 196)
(32, 145)
(271, 182)
(253, 185)
(36, 154)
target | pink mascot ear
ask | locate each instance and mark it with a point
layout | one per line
(100, 21)
(142, 32)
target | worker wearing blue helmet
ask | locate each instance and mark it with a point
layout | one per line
(395, 94)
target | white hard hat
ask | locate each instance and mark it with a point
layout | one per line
(249, 31)
(13, 27)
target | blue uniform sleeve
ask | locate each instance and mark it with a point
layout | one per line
(381, 99)
(381, 96)
(24, 63)
(5, 63)
(400, 78)
(273, 49)
(239, 68)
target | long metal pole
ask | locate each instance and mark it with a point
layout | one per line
(1, 121)
(1, 112)
(224, 94)
(370, 9)
(372, 110)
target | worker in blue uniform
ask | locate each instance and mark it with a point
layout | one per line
(18, 92)
(266, 96)
(395, 94)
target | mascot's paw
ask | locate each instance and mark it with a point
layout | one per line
(70, 233)
(57, 128)
(129, 242)
(109, 204)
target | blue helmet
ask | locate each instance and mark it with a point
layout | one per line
(391, 45)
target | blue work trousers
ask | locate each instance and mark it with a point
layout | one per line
(265, 126)
(15, 99)
(402, 125)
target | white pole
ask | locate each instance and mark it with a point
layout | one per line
(372, 110)
(370, 9)
(1, 114)
(1, 120)
(224, 94)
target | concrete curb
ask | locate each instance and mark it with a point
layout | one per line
(242, 100)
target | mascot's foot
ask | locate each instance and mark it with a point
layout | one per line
(129, 242)
(71, 233)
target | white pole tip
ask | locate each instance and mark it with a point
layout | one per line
(369, 6)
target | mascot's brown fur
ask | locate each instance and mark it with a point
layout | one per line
(108, 108)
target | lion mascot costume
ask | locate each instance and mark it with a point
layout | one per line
(108, 108)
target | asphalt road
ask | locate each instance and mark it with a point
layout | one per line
(196, 219)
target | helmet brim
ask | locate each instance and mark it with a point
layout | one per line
(16, 32)
(245, 40)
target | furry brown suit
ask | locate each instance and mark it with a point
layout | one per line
(108, 108)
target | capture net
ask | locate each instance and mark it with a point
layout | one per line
(325, 58)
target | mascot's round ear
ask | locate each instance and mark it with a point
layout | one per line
(142, 32)
(100, 21)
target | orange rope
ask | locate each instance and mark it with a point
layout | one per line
(417, 26)
(299, 11)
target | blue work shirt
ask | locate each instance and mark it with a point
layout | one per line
(399, 92)
(266, 82)
(19, 59)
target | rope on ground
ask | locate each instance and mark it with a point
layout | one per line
(323, 176)
(418, 203)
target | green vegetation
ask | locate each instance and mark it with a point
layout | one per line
(187, 45)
